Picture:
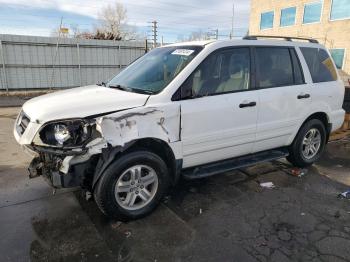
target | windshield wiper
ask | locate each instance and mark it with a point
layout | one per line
(142, 91)
(124, 88)
(130, 89)
(101, 84)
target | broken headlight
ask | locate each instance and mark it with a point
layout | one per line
(66, 133)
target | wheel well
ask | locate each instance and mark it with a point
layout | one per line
(163, 150)
(323, 118)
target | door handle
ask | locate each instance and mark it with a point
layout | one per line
(303, 96)
(250, 104)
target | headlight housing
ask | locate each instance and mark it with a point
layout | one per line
(67, 133)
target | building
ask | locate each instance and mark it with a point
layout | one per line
(328, 21)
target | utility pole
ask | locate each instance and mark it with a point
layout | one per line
(56, 52)
(212, 34)
(154, 31)
(233, 14)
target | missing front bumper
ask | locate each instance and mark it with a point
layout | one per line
(55, 178)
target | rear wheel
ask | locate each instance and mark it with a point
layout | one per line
(132, 186)
(308, 144)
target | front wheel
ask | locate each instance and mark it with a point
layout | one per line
(132, 186)
(308, 144)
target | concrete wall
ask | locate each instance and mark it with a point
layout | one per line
(333, 34)
(29, 62)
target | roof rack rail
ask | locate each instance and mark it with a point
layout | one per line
(287, 38)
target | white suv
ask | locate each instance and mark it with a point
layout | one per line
(189, 109)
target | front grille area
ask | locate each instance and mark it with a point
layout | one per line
(22, 123)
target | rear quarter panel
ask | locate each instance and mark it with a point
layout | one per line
(326, 97)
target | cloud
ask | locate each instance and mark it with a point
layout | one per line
(174, 17)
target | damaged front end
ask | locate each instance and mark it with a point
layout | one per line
(63, 152)
(75, 152)
(48, 166)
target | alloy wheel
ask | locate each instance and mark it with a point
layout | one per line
(136, 187)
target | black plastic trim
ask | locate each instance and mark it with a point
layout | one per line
(231, 164)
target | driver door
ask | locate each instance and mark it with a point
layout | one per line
(219, 108)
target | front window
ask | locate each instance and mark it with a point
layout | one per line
(221, 72)
(288, 16)
(340, 9)
(151, 73)
(312, 13)
(266, 20)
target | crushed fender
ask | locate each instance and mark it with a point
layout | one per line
(161, 122)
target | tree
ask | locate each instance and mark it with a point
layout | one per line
(112, 26)
(197, 35)
(193, 36)
(112, 20)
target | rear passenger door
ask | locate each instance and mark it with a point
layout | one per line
(284, 97)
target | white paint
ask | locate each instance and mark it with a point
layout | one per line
(215, 128)
(80, 102)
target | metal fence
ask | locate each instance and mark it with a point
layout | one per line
(29, 62)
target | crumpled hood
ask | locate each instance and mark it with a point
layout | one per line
(81, 102)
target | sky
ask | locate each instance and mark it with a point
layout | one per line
(176, 19)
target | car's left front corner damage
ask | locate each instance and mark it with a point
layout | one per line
(114, 133)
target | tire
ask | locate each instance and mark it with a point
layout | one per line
(346, 106)
(347, 95)
(114, 205)
(297, 157)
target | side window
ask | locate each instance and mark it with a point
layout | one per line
(274, 67)
(221, 72)
(320, 64)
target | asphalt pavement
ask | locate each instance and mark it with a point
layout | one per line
(228, 217)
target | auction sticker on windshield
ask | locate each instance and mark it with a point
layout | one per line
(185, 52)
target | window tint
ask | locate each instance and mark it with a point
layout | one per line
(312, 13)
(320, 64)
(288, 16)
(221, 72)
(340, 9)
(338, 57)
(274, 67)
(266, 20)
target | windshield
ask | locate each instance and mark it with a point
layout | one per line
(152, 72)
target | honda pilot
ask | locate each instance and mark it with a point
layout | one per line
(187, 110)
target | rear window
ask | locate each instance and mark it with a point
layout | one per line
(320, 64)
